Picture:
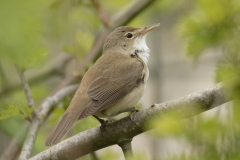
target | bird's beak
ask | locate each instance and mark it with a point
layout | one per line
(149, 28)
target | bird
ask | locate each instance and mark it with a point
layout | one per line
(114, 84)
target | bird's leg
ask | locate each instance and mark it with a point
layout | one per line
(103, 124)
(100, 120)
(132, 110)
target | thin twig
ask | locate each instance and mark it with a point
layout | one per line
(39, 117)
(56, 70)
(131, 12)
(9, 88)
(14, 147)
(126, 128)
(126, 147)
(101, 13)
(26, 87)
(15, 144)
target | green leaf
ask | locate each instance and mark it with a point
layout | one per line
(167, 124)
(21, 39)
(16, 110)
(84, 42)
(208, 26)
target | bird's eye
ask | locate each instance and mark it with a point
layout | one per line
(128, 35)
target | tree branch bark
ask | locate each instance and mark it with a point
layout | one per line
(100, 12)
(126, 147)
(15, 144)
(39, 117)
(131, 12)
(26, 87)
(56, 70)
(94, 156)
(126, 128)
(13, 149)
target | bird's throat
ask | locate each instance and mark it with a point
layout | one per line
(141, 48)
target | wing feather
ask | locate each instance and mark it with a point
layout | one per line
(112, 85)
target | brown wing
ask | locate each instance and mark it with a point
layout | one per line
(110, 85)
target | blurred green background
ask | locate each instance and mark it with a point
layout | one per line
(196, 46)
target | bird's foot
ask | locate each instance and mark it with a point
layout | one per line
(100, 120)
(103, 127)
(103, 124)
(133, 111)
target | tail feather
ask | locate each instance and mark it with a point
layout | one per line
(63, 126)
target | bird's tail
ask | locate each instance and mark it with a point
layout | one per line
(63, 126)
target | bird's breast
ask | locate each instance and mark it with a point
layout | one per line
(127, 101)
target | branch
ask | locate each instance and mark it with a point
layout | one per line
(126, 147)
(9, 88)
(131, 12)
(100, 12)
(126, 128)
(26, 87)
(94, 156)
(57, 69)
(15, 145)
(13, 148)
(39, 117)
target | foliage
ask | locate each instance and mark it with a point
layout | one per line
(217, 26)
(206, 138)
(207, 26)
(21, 41)
(16, 110)
(211, 24)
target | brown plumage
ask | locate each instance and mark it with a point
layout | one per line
(114, 83)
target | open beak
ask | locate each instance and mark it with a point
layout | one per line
(149, 28)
